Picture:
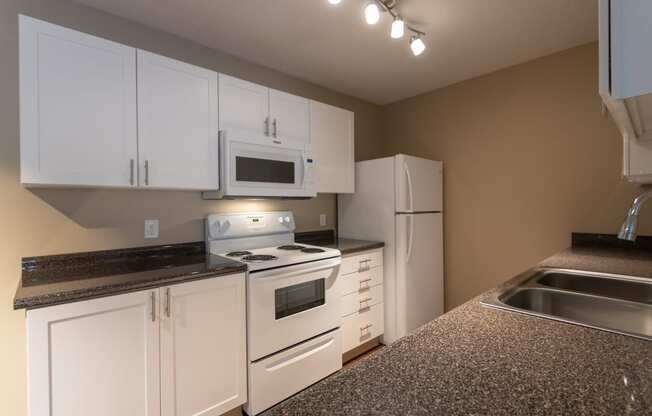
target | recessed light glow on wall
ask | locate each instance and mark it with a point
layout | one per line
(372, 12)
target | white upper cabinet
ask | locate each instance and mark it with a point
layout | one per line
(332, 139)
(98, 357)
(244, 108)
(290, 117)
(253, 112)
(203, 347)
(177, 124)
(626, 79)
(626, 61)
(77, 108)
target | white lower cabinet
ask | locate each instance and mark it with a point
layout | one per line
(116, 355)
(361, 287)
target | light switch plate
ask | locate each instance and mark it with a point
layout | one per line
(151, 228)
(322, 220)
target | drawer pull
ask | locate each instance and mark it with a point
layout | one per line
(364, 304)
(364, 265)
(365, 328)
(364, 284)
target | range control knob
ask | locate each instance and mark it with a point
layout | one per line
(287, 220)
(280, 220)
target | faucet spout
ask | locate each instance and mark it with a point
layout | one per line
(628, 230)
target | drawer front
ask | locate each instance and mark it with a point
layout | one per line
(281, 375)
(360, 282)
(361, 327)
(361, 262)
(361, 300)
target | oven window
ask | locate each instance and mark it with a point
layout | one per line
(297, 298)
(249, 169)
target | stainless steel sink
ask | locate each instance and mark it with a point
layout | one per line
(614, 303)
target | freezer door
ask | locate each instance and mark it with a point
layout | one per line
(418, 184)
(420, 270)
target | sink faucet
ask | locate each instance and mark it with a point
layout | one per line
(628, 229)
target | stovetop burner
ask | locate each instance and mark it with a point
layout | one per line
(291, 247)
(238, 253)
(259, 257)
(312, 250)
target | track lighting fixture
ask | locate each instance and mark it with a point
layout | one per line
(398, 28)
(417, 45)
(372, 12)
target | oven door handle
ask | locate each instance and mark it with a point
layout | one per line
(300, 355)
(283, 272)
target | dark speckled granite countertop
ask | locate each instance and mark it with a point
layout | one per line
(476, 360)
(51, 280)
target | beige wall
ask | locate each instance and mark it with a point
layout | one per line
(37, 222)
(528, 159)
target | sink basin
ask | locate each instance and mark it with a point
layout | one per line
(620, 304)
(603, 286)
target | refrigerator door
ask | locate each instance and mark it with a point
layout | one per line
(419, 270)
(418, 184)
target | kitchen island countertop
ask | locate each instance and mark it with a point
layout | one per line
(475, 360)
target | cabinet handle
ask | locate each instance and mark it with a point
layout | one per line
(266, 126)
(275, 125)
(147, 172)
(366, 327)
(167, 302)
(364, 305)
(364, 265)
(131, 172)
(362, 282)
(152, 298)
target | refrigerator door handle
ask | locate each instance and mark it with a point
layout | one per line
(410, 238)
(406, 169)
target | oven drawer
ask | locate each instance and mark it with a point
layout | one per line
(362, 262)
(361, 300)
(361, 327)
(281, 375)
(359, 282)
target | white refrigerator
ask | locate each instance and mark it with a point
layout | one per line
(399, 200)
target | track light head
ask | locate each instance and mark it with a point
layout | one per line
(371, 13)
(416, 45)
(398, 28)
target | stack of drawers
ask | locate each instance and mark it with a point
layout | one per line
(361, 285)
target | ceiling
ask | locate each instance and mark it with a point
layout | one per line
(333, 47)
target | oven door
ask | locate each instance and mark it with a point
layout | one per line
(289, 305)
(264, 169)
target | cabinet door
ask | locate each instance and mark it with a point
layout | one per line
(290, 117)
(177, 124)
(331, 136)
(98, 357)
(203, 347)
(244, 108)
(77, 108)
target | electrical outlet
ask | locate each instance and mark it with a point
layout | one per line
(322, 220)
(151, 228)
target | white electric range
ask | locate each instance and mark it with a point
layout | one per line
(293, 303)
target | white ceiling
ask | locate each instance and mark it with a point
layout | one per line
(333, 47)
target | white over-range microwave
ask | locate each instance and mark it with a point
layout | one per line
(254, 168)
